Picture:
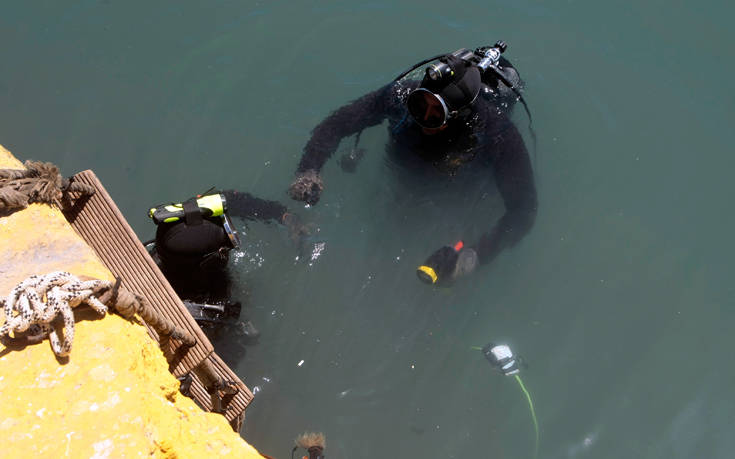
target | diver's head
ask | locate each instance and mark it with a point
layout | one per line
(442, 95)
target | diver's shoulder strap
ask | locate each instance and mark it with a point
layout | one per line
(192, 212)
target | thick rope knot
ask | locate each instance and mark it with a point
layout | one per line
(34, 304)
(38, 182)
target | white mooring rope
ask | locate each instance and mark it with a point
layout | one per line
(34, 304)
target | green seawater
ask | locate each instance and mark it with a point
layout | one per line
(620, 298)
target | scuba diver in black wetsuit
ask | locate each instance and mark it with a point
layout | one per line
(192, 245)
(458, 112)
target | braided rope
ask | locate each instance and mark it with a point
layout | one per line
(127, 304)
(25, 309)
(34, 304)
(213, 383)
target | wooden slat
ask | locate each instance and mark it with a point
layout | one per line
(101, 224)
(103, 227)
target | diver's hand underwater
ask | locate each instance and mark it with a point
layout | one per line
(447, 264)
(467, 261)
(307, 187)
(297, 229)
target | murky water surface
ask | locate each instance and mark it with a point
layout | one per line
(620, 298)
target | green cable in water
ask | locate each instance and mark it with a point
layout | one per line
(533, 413)
(530, 404)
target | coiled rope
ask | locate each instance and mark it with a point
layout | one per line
(34, 304)
(25, 308)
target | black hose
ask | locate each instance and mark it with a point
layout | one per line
(523, 101)
(415, 66)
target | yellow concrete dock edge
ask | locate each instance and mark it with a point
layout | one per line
(114, 397)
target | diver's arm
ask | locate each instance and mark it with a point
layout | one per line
(368, 110)
(247, 206)
(514, 178)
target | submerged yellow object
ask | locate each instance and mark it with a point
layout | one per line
(114, 396)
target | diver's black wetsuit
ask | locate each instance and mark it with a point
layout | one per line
(194, 257)
(486, 132)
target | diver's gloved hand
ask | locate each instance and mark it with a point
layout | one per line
(448, 264)
(307, 187)
(297, 230)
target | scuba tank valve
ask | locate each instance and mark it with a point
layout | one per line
(490, 55)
